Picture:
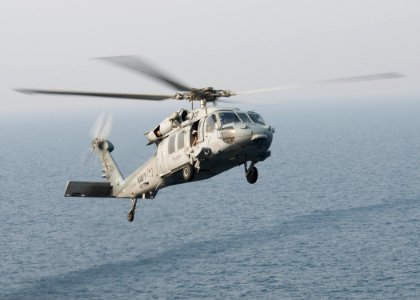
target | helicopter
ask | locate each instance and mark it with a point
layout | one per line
(191, 145)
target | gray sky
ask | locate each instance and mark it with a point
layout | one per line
(236, 45)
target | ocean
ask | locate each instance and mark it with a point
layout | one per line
(335, 213)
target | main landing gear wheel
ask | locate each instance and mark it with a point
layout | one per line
(188, 172)
(252, 175)
(130, 216)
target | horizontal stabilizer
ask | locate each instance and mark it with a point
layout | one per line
(88, 189)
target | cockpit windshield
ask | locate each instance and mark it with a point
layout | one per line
(227, 117)
(244, 117)
(256, 117)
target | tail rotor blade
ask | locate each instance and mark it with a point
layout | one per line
(86, 158)
(102, 126)
(97, 126)
(106, 128)
(98, 132)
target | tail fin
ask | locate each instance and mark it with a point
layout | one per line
(110, 169)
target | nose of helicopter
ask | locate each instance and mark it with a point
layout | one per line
(261, 136)
(243, 135)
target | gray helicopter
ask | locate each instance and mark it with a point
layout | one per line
(190, 145)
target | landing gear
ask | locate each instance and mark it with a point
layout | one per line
(251, 173)
(188, 172)
(130, 216)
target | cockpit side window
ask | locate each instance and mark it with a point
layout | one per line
(244, 117)
(227, 117)
(211, 123)
(256, 117)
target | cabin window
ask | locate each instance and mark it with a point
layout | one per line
(256, 117)
(171, 144)
(244, 117)
(227, 117)
(211, 123)
(180, 140)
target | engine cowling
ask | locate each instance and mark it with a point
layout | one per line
(172, 121)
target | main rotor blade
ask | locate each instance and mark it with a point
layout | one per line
(140, 66)
(380, 76)
(94, 94)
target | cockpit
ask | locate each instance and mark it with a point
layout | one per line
(227, 122)
(227, 117)
(256, 118)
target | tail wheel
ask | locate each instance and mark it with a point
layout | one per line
(188, 172)
(252, 175)
(130, 216)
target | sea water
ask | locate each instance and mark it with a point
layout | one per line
(335, 212)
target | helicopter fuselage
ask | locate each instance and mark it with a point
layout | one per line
(209, 141)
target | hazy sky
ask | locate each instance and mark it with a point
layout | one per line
(234, 45)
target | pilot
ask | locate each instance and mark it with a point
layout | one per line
(195, 137)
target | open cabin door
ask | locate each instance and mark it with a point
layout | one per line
(209, 128)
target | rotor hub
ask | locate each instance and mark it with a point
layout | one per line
(203, 95)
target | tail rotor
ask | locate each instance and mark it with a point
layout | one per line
(99, 132)
(102, 127)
